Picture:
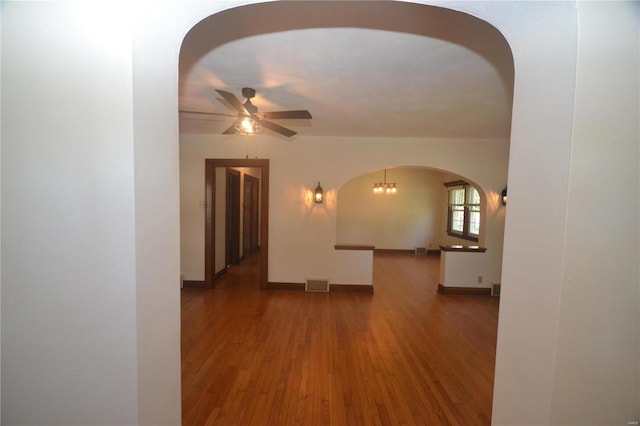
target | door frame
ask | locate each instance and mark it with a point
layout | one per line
(210, 193)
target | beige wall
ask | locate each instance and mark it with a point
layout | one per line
(411, 218)
(302, 234)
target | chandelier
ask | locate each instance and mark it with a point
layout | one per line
(385, 187)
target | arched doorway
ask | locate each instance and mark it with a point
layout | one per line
(290, 179)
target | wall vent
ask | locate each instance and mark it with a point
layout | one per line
(421, 250)
(495, 289)
(316, 284)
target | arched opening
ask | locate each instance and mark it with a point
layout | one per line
(424, 217)
(416, 216)
(437, 115)
(462, 118)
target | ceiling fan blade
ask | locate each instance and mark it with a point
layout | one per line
(231, 130)
(301, 113)
(206, 113)
(277, 128)
(233, 101)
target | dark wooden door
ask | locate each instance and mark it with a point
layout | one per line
(250, 214)
(233, 217)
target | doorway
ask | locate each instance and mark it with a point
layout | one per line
(215, 170)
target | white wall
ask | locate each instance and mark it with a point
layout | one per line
(598, 343)
(68, 194)
(466, 269)
(543, 253)
(68, 232)
(158, 31)
(411, 218)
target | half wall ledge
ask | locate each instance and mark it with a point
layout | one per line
(463, 270)
(354, 267)
(354, 247)
(477, 249)
(481, 291)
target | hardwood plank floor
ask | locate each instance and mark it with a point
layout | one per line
(403, 356)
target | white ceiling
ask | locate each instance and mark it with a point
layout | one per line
(374, 69)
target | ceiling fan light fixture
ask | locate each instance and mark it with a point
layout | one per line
(248, 126)
(249, 122)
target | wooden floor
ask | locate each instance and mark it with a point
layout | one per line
(403, 356)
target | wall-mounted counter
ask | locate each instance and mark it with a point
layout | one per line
(462, 270)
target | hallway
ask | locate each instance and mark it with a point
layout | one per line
(405, 355)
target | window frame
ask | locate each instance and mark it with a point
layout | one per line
(467, 208)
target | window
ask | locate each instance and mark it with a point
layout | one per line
(463, 214)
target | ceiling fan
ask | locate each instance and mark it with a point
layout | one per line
(249, 121)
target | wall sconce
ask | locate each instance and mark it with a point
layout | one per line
(504, 196)
(318, 195)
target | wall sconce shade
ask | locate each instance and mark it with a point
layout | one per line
(504, 196)
(318, 195)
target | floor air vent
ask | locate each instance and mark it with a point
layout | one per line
(495, 289)
(318, 285)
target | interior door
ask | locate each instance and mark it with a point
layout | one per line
(250, 215)
(233, 217)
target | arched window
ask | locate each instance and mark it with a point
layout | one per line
(463, 211)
